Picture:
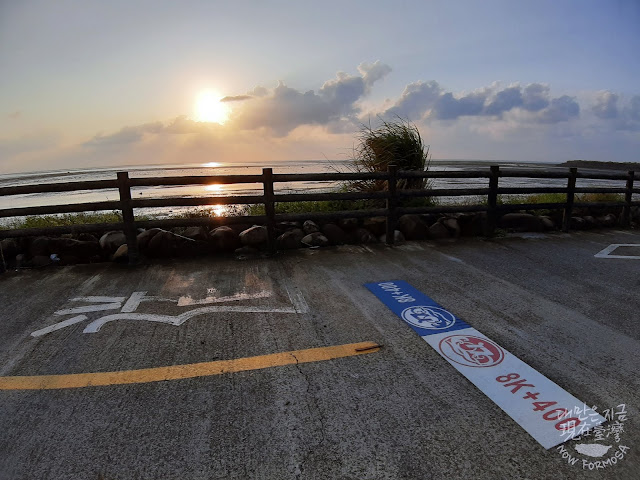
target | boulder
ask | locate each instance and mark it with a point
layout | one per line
(254, 236)
(547, 223)
(163, 244)
(310, 227)
(290, 240)
(145, 237)
(40, 246)
(608, 220)
(196, 233)
(224, 239)
(576, 223)
(452, 225)
(590, 222)
(40, 261)
(121, 255)
(315, 239)
(334, 233)
(21, 260)
(66, 247)
(429, 218)
(348, 224)
(365, 236)
(110, 241)
(469, 226)
(398, 237)
(246, 250)
(376, 225)
(286, 226)
(412, 227)
(521, 222)
(87, 237)
(9, 248)
(438, 231)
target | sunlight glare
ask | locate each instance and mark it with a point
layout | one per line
(213, 188)
(208, 108)
(211, 164)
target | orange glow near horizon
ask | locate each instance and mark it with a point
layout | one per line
(209, 108)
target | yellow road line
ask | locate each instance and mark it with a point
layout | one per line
(175, 372)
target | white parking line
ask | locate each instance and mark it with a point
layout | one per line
(606, 253)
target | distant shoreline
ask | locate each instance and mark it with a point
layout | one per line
(602, 165)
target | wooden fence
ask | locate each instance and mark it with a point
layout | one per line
(392, 196)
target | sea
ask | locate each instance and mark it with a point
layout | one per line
(215, 168)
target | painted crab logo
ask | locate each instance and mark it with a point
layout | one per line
(471, 351)
(431, 318)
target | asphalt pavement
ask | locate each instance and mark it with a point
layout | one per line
(288, 367)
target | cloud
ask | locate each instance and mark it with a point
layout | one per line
(561, 109)
(284, 108)
(15, 115)
(606, 105)
(124, 135)
(236, 98)
(429, 100)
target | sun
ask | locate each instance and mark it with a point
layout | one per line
(209, 108)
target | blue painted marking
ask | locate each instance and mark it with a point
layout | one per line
(422, 313)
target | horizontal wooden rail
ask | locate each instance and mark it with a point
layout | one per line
(195, 180)
(197, 201)
(84, 228)
(59, 187)
(327, 177)
(55, 209)
(530, 190)
(319, 197)
(443, 192)
(454, 174)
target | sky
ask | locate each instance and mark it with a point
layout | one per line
(100, 84)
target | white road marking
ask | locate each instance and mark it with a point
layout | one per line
(178, 320)
(59, 325)
(187, 300)
(98, 299)
(89, 308)
(606, 253)
(133, 302)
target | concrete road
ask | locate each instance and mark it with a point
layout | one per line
(338, 411)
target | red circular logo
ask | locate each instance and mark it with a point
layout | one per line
(471, 351)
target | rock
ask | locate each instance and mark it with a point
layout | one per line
(608, 220)
(87, 237)
(196, 233)
(469, 226)
(576, 223)
(238, 227)
(76, 248)
(310, 227)
(334, 233)
(145, 237)
(253, 236)
(315, 239)
(412, 227)
(224, 239)
(348, 224)
(521, 222)
(40, 246)
(429, 218)
(121, 255)
(452, 225)
(547, 223)
(40, 261)
(365, 236)
(376, 225)
(21, 260)
(163, 244)
(290, 240)
(398, 237)
(110, 241)
(246, 250)
(438, 231)
(590, 222)
(9, 248)
(286, 226)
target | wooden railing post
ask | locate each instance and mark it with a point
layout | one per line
(492, 201)
(269, 208)
(571, 195)
(628, 196)
(392, 203)
(128, 218)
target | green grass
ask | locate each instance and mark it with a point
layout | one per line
(46, 221)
